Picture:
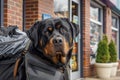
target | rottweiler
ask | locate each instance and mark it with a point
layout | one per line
(52, 41)
(48, 53)
(52, 44)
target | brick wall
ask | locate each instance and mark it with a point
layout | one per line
(46, 6)
(88, 69)
(31, 12)
(13, 13)
(107, 22)
(35, 9)
(86, 37)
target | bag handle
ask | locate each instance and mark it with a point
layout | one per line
(18, 60)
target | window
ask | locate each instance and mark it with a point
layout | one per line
(75, 19)
(115, 30)
(95, 29)
(114, 21)
(114, 36)
(61, 8)
(95, 13)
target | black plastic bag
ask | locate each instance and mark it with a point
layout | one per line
(12, 44)
(12, 41)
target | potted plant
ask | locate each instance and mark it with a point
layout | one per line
(105, 38)
(113, 58)
(103, 67)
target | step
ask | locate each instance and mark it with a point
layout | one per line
(95, 78)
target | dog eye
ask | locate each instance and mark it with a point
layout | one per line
(50, 30)
(62, 30)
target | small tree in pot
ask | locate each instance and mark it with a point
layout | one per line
(113, 58)
(105, 39)
(103, 55)
(102, 64)
(102, 52)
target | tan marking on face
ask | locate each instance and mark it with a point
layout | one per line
(40, 42)
(71, 40)
(46, 51)
(66, 49)
(66, 46)
(55, 59)
(63, 60)
(50, 28)
(49, 49)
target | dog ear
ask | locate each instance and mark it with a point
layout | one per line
(33, 33)
(74, 27)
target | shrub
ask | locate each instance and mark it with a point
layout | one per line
(105, 38)
(112, 51)
(103, 55)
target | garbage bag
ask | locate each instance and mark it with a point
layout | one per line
(12, 41)
(12, 44)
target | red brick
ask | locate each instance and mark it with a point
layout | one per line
(13, 13)
(108, 24)
(86, 37)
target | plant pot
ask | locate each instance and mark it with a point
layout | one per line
(114, 69)
(103, 70)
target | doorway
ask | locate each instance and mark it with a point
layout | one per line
(75, 60)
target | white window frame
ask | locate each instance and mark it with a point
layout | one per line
(97, 5)
(100, 23)
(117, 30)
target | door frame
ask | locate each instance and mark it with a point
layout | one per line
(76, 74)
(1, 13)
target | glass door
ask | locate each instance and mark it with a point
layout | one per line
(75, 60)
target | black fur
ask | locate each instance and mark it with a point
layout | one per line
(38, 32)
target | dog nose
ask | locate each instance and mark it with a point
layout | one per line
(57, 41)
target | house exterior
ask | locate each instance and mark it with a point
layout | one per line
(94, 17)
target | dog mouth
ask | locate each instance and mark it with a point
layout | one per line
(60, 53)
(60, 57)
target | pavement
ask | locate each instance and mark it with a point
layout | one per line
(96, 78)
(112, 78)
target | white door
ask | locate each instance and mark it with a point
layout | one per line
(75, 60)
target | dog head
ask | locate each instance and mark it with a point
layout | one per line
(54, 37)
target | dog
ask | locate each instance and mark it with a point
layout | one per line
(49, 51)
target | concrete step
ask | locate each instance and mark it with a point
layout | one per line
(96, 78)
(112, 78)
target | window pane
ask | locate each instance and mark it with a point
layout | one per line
(95, 13)
(95, 35)
(75, 19)
(114, 36)
(61, 8)
(114, 22)
(95, 31)
(75, 12)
